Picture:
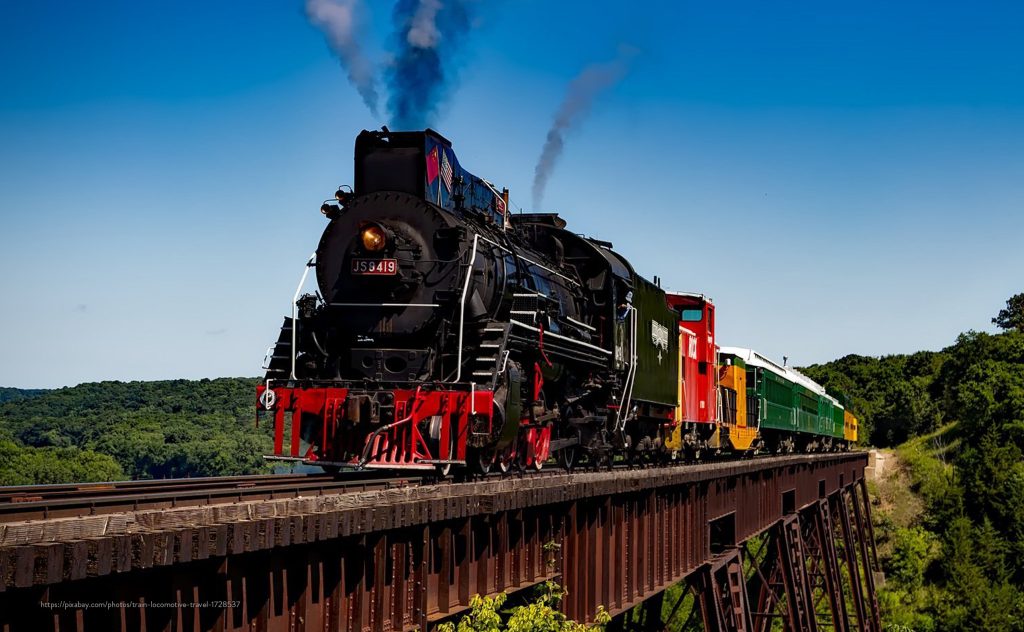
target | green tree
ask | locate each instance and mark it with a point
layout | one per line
(914, 550)
(978, 595)
(1012, 317)
(35, 466)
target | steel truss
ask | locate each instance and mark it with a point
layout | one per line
(814, 570)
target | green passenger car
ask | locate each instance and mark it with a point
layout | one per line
(838, 413)
(783, 400)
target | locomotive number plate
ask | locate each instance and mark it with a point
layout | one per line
(375, 266)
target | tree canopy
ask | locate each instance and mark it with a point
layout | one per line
(176, 428)
(1012, 317)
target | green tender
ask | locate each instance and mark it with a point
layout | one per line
(657, 343)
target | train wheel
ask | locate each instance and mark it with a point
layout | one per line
(484, 460)
(506, 458)
(567, 457)
(443, 470)
(538, 447)
(542, 448)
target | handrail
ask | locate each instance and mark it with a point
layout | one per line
(462, 308)
(549, 334)
(295, 308)
(627, 391)
(531, 262)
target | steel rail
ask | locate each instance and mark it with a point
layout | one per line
(41, 502)
(15, 492)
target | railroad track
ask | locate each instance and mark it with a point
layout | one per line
(40, 502)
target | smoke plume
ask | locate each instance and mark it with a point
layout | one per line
(579, 96)
(338, 20)
(429, 35)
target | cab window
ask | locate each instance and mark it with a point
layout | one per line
(691, 315)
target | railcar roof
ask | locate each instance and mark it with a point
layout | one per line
(753, 358)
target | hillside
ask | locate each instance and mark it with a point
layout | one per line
(116, 430)
(8, 394)
(951, 514)
(945, 570)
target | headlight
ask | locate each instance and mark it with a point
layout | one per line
(373, 238)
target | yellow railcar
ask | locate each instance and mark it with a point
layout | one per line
(849, 427)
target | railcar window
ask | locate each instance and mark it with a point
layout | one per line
(808, 404)
(779, 393)
(691, 315)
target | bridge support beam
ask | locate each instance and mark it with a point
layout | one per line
(793, 574)
(823, 546)
(722, 593)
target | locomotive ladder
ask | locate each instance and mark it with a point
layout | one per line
(492, 353)
(277, 362)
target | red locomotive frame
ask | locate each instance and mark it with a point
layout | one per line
(404, 441)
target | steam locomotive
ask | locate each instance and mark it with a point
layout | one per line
(446, 332)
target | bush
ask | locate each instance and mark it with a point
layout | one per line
(538, 616)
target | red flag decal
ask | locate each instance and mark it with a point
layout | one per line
(432, 165)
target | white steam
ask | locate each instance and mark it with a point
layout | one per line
(338, 20)
(423, 32)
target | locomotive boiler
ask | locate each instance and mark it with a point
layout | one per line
(446, 332)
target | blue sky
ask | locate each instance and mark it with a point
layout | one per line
(840, 178)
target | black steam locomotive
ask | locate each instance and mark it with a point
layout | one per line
(447, 331)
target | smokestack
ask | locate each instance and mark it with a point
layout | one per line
(338, 19)
(579, 97)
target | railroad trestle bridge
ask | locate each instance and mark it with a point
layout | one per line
(756, 541)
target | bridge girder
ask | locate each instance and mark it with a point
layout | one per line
(410, 558)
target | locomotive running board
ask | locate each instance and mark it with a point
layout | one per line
(561, 444)
(398, 466)
(345, 465)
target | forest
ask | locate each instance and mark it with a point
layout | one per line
(129, 430)
(950, 526)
